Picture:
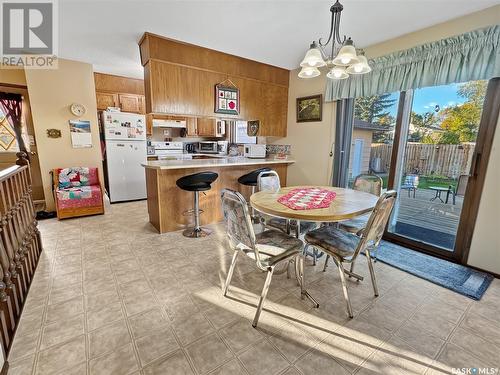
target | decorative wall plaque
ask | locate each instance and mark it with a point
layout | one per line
(53, 133)
(253, 128)
(227, 98)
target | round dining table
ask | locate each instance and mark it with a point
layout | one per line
(347, 204)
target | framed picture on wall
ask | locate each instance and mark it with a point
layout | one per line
(227, 99)
(310, 108)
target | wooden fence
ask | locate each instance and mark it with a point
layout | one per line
(429, 159)
(20, 245)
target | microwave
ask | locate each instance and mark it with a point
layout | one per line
(255, 151)
(208, 147)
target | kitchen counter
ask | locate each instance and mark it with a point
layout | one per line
(167, 203)
(213, 161)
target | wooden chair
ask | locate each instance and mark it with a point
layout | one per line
(77, 192)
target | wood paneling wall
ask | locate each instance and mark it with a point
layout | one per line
(180, 79)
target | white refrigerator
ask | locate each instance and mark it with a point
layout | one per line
(125, 139)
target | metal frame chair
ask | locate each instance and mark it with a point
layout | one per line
(368, 183)
(267, 248)
(344, 247)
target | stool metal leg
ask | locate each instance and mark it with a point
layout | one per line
(197, 231)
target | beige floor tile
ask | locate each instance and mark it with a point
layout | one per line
(61, 295)
(30, 323)
(98, 301)
(63, 330)
(483, 327)
(192, 328)
(147, 323)
(422, 340)
(120, 362)
(454, 356)
(161, 342)
(64, 310)
(176, 363)
(135, 304)
(240, 335)
(487, 352)
(207, 353)
(22, 366)
(232, 367)
(108, 338)
(262, 358)
(108, 313)
(23, 346)
(60, 357)
(317, 362)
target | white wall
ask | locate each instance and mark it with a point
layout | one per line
(485, 248)
(311, 141)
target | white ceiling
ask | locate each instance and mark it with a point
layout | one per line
(105, 33)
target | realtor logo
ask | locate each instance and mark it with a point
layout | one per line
(29, 33)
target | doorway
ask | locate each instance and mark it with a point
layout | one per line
(432, 146)
(357, 157)
(17, 134)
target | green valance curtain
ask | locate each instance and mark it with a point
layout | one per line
(471, 56)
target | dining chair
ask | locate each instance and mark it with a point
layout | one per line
(268, 248)
(344, 247)
(368, 183)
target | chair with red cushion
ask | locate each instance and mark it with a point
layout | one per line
(77, 192)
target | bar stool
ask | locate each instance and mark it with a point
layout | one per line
(197, 182)
(250, 179)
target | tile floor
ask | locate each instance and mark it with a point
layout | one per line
(111, 296)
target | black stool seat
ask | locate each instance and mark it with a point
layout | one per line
(197, 182)
(250, 179)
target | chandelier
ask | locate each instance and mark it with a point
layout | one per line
(342, 60)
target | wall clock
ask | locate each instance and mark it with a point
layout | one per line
(77, 109)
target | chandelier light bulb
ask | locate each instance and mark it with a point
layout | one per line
(313, 57)
(361, 67)
(337, 72)
(309, 72)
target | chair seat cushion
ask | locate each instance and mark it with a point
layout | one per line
(199, 186)
(275, 246)
(82, 196)
(333, 240)
(356, 224)
(250, 179)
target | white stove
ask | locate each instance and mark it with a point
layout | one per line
(167, 150)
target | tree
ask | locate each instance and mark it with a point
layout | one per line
(423, 125)
(373, 108)
(461, 122)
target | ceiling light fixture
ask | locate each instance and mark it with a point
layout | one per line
(343, 59)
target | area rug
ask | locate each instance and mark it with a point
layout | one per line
(461, 279)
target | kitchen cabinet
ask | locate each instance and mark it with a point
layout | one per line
(207, 127)
(106, 99)
(191, 127)
(184, 90)
(130, 103)
(126, 102)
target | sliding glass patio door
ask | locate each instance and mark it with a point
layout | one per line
(430, 145)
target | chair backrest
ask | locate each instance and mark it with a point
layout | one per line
(76, 176)
(412, 180)
(368, 183)
(462, 184)
(238, 223)
(268, 181)
(374, 230)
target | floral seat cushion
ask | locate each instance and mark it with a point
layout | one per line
(334, 241)
(82, 196)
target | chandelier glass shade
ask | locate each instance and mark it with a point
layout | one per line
(343, 59)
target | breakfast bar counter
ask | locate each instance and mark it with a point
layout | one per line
(167, 203)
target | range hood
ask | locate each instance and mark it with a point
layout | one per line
(160, 123)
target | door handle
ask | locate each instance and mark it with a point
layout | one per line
(476, 164)
(33, 153)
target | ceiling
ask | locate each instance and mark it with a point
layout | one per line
(278, 32)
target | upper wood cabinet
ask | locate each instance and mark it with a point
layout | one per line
(191, 127)
(106, 99)
(115, 91)
(207, 127)
(180, 79)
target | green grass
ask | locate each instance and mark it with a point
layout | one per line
(424, 182)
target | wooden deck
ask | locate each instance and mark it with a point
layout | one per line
(424, 213)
